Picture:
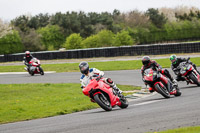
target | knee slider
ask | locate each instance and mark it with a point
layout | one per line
(109, 80)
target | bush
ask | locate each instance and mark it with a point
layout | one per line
(52, 37)
(73, 41)
(11, 43)
(123, 38)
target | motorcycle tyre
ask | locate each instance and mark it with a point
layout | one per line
(162, 91)
(178, 92)
(32, 73)
(98, 100)
(41, 71)
(124, 102)
(194, 79)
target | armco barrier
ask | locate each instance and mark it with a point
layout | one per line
(109, 52)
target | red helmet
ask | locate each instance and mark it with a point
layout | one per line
(146, 60)
(27, 53)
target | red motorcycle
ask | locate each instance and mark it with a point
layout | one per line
(160, 83)
(104, 95)
(35, 67)
(188, 72)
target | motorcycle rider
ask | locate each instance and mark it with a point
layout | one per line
(88, 73)
(175, 63)
(27, 58)
(148, 63)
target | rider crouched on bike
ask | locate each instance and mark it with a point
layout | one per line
(175, 63)
(27, 58)
(88, 73)
(148, 63)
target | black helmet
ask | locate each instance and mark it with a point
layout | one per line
(173, 59)
(27, 53)
(145, 60)
(84, 67)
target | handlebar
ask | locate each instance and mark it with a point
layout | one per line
(188, 59)
(99, 77)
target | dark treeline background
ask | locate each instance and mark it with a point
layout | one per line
(76, 30)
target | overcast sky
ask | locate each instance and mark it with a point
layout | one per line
(10, 9)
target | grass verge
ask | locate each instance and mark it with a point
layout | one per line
(104, 66)
(183, 130)
(31, 101)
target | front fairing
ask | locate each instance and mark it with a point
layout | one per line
(184, 68)
(95, 87)
(151, 76)
(32, 68)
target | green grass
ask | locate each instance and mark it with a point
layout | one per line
(30, 101)
(183, 130)
(108, 66)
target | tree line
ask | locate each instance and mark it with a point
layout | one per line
(76, 30)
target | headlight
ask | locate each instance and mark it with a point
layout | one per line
(182, 72)
(188, 67)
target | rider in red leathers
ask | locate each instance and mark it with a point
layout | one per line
(148, 63)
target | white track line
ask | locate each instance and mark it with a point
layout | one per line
(6, 73)
(144, 103)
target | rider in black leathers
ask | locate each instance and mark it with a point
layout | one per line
(175, 63)
(27, 58)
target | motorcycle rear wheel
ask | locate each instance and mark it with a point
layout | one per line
(124, 102)
(194, 79)
(162, 90)
(178, 92)
(103, 102)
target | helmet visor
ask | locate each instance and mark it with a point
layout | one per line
(146, 62)
(173, 61)
(84, 70)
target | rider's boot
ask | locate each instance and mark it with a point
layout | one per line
(25, 68)
(174, 82)
(174, 86)
(173, 90)
(117, 89)
(151, 90)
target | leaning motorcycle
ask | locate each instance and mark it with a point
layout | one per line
(188, 72)
(35, 67)
(104, 95)
(160, 83)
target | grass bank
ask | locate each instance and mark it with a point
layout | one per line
(104, 66)
(183, 130)
(31, 101)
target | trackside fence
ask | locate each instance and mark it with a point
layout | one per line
(156, 49)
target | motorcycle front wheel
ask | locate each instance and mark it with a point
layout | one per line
(162, 90)
(194, 79)
(103, 102)
(41, 71)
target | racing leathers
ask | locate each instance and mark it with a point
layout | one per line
(85, 79)
(174, 68)
(155, 66)
(26, 61)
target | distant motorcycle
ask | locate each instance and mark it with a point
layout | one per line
(160, 83)
(104, 95)
(188, 72)
(35, 67)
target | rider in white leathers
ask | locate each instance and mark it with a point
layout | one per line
(87, 75)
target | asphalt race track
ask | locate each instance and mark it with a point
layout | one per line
(149, 114)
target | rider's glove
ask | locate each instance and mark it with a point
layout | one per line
(98, 78)
(159, 70)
